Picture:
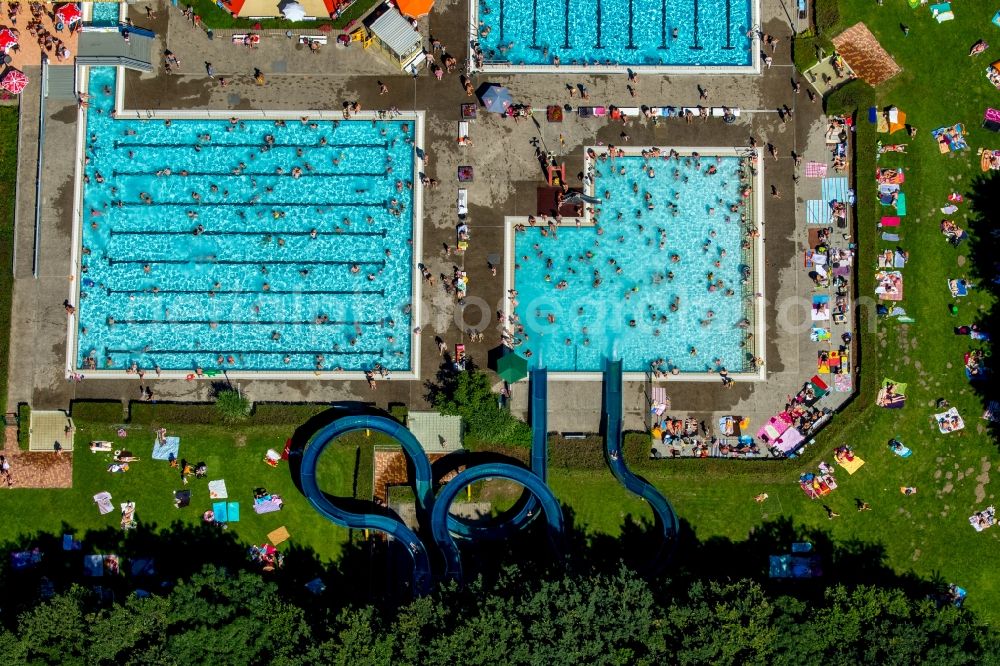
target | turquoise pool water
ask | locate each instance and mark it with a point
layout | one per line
(617, 32)
(264, 270)
(105, 13)
(643, 267)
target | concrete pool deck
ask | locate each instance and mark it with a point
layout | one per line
(507, 174)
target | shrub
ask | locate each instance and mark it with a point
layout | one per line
(577, 453)
(172, 413)
(280, 413)
(398, 411)
(23, 425)
(468, 394)
(853, 96)
(98, 411)
(232, 406)
(826, 16)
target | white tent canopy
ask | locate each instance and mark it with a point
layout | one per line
(292, 10)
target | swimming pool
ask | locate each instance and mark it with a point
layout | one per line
(105, 14)
(642, 34)
(674, 290)
(244, 245)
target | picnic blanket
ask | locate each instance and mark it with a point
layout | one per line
(169, 447)
(103, 500)
(278, 536)
(128, 515)
(958, 288)
(949, 421)
(842, 383)
(820, 307)
(817, 212)
(93, 565)
(889, 285)
(820, 334)
(899, 448)
(233, 511)
(220, 512)
(815, 169)
(985, 519)
(892, 259)
(942, 12)
(659, 402)
(851, 466)
(889, 221)
(892, 395)
(950, 139)
(217, 489)
(268, 504)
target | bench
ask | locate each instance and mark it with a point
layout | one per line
(307, 39)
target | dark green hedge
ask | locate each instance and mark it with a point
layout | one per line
(853, 95)
(826, 17)
(178, 413)
(98, 411)
(23, 425)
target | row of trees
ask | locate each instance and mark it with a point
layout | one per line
(220, 617)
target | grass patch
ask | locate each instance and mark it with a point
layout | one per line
(8, 182)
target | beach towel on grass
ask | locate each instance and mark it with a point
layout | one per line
(220, 512)
(851, 466)
(233, 511)
(949, 421)
(217, 489)
(163, 451)
(103, 501)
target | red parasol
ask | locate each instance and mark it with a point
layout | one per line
(7, 39)
(69, 14)
(14, 81)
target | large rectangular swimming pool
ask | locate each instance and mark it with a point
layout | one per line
(620, 33)
(662, 281)
(244, 245)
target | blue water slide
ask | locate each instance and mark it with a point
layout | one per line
(664, 512)
(440, 524)
(525, 511)
(387, 524)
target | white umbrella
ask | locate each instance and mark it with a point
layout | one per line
(293, 11)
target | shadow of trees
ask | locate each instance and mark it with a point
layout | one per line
(983, 268)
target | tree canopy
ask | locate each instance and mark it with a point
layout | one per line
(225, 618)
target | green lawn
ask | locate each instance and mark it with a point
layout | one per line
(235, 455)
(8, 177)
(927, 534)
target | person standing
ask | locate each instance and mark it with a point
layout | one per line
(209, 70)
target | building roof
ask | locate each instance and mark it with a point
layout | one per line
(396, 33)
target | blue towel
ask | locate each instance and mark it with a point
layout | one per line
(163, 451)
(835, 189)
(890, 237)
(233, 509)
(817, 212)
(221, 514)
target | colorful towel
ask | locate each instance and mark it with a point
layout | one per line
(815, 169)
(279, 535)
(889, 285)
(889, 221)
(842, 383)
(949, 421)
(233, 511)
(851, 466)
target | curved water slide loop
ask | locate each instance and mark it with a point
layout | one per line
(393, 527)
(440, 524)
(525, 511)
(666, 518)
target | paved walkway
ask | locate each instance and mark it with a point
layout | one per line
(31, 469)
(506, 176)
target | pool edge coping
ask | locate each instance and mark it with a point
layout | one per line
(72, 340)
(759, 302)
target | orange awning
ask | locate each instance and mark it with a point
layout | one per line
(415, 8)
